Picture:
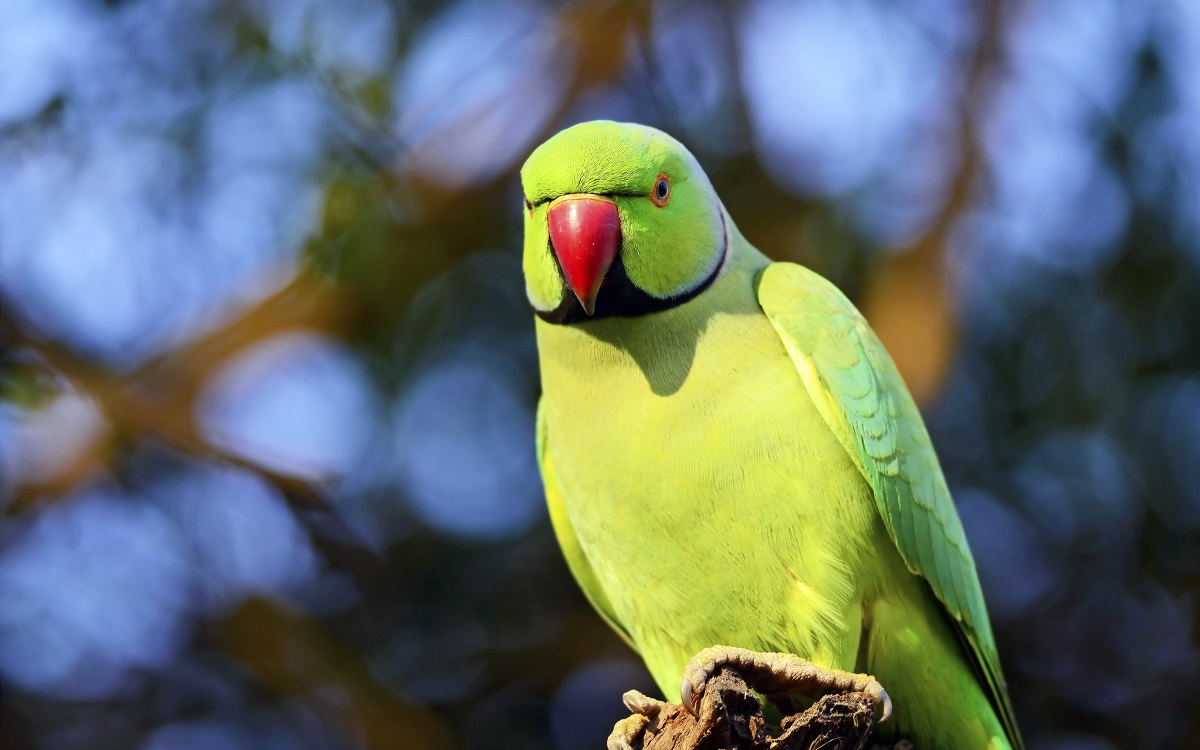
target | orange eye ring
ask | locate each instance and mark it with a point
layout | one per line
(660, 195)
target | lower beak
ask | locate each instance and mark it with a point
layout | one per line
(585, 232)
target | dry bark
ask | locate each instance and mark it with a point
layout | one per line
(731, 718)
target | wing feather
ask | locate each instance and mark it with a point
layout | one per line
(862, 397)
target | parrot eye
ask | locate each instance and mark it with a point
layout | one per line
(662, 190)
(528, 205)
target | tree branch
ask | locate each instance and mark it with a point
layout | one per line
(731, 717)
(906, 301)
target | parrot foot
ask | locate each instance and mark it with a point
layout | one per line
(777, 675)
(645, 710)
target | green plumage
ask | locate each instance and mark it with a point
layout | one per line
(746, 467)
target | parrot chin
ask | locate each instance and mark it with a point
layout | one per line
(585, 233)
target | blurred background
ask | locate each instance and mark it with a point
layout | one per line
(267, 373)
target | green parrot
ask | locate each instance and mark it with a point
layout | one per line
(731, 459)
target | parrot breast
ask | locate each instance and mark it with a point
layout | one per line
(711, 499)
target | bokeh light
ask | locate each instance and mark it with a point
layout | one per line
(93, 591)
(296, 403)
(464, 453)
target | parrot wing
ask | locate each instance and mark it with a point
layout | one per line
(862, 397)
(567, 540)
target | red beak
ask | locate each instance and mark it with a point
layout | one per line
(585, 231)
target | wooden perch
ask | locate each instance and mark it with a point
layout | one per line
(731, 718)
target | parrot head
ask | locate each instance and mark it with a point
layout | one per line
(620, 220)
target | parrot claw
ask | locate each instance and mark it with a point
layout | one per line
(885, 705)
(645, 710)
(686, 696)
(642, 704)
(625, 731)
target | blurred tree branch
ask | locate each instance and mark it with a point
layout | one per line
(295, 657)
(157, 401)
(906, 299)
